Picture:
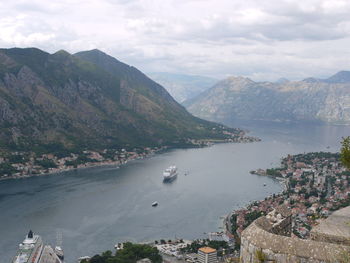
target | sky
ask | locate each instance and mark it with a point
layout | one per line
(263, 40)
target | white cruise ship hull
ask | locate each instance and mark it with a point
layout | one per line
(170, 178)
(170, 174)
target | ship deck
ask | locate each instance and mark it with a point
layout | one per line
(49, 256)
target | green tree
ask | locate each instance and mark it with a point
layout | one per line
(345, 152)
(129, 254)
(6, 168)
(46, 163)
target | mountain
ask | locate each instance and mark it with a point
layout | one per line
(340, 77)
(282, 80)
(183, 87)
(309, 100)
(311, 80)
(87, 100)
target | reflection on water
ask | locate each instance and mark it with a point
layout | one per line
(95, 208)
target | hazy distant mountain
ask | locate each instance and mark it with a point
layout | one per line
(340, 77)
(282, 80)
(183, 87)
(312, 80)
(325, 100)
(89, 100)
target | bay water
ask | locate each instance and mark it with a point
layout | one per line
(92, 209)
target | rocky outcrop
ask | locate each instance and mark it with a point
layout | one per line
(241, 98)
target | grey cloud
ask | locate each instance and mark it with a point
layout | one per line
(282, 30)
(261, 39)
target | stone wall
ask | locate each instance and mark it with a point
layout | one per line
(257, 242)
(281, 227)
(334, 229)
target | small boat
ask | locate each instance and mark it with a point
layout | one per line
(264, 184)
(154, 203)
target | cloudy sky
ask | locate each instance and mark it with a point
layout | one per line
(264, 40)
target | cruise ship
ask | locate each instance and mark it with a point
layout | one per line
(32, 250)
(170, 173)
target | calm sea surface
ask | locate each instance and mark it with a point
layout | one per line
(95, 208)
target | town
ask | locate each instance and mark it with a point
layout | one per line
(23, 164)
(170, 251)
(315, 185)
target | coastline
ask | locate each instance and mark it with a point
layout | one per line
(115, 164)
(227, 218)
(242, 138)
(314, 184)
(62, 171)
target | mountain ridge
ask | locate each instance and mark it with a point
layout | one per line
(314, 100)
(87, 100)
(342, 76)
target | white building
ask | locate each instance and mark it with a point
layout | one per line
(207, 255)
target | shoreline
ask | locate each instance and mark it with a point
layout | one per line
(59, 172)
(115, 164)
(314, 184)
(227, 218)
(194, 144)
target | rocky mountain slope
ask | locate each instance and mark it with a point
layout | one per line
(319, 100)
(87, 100)
(183, 87)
